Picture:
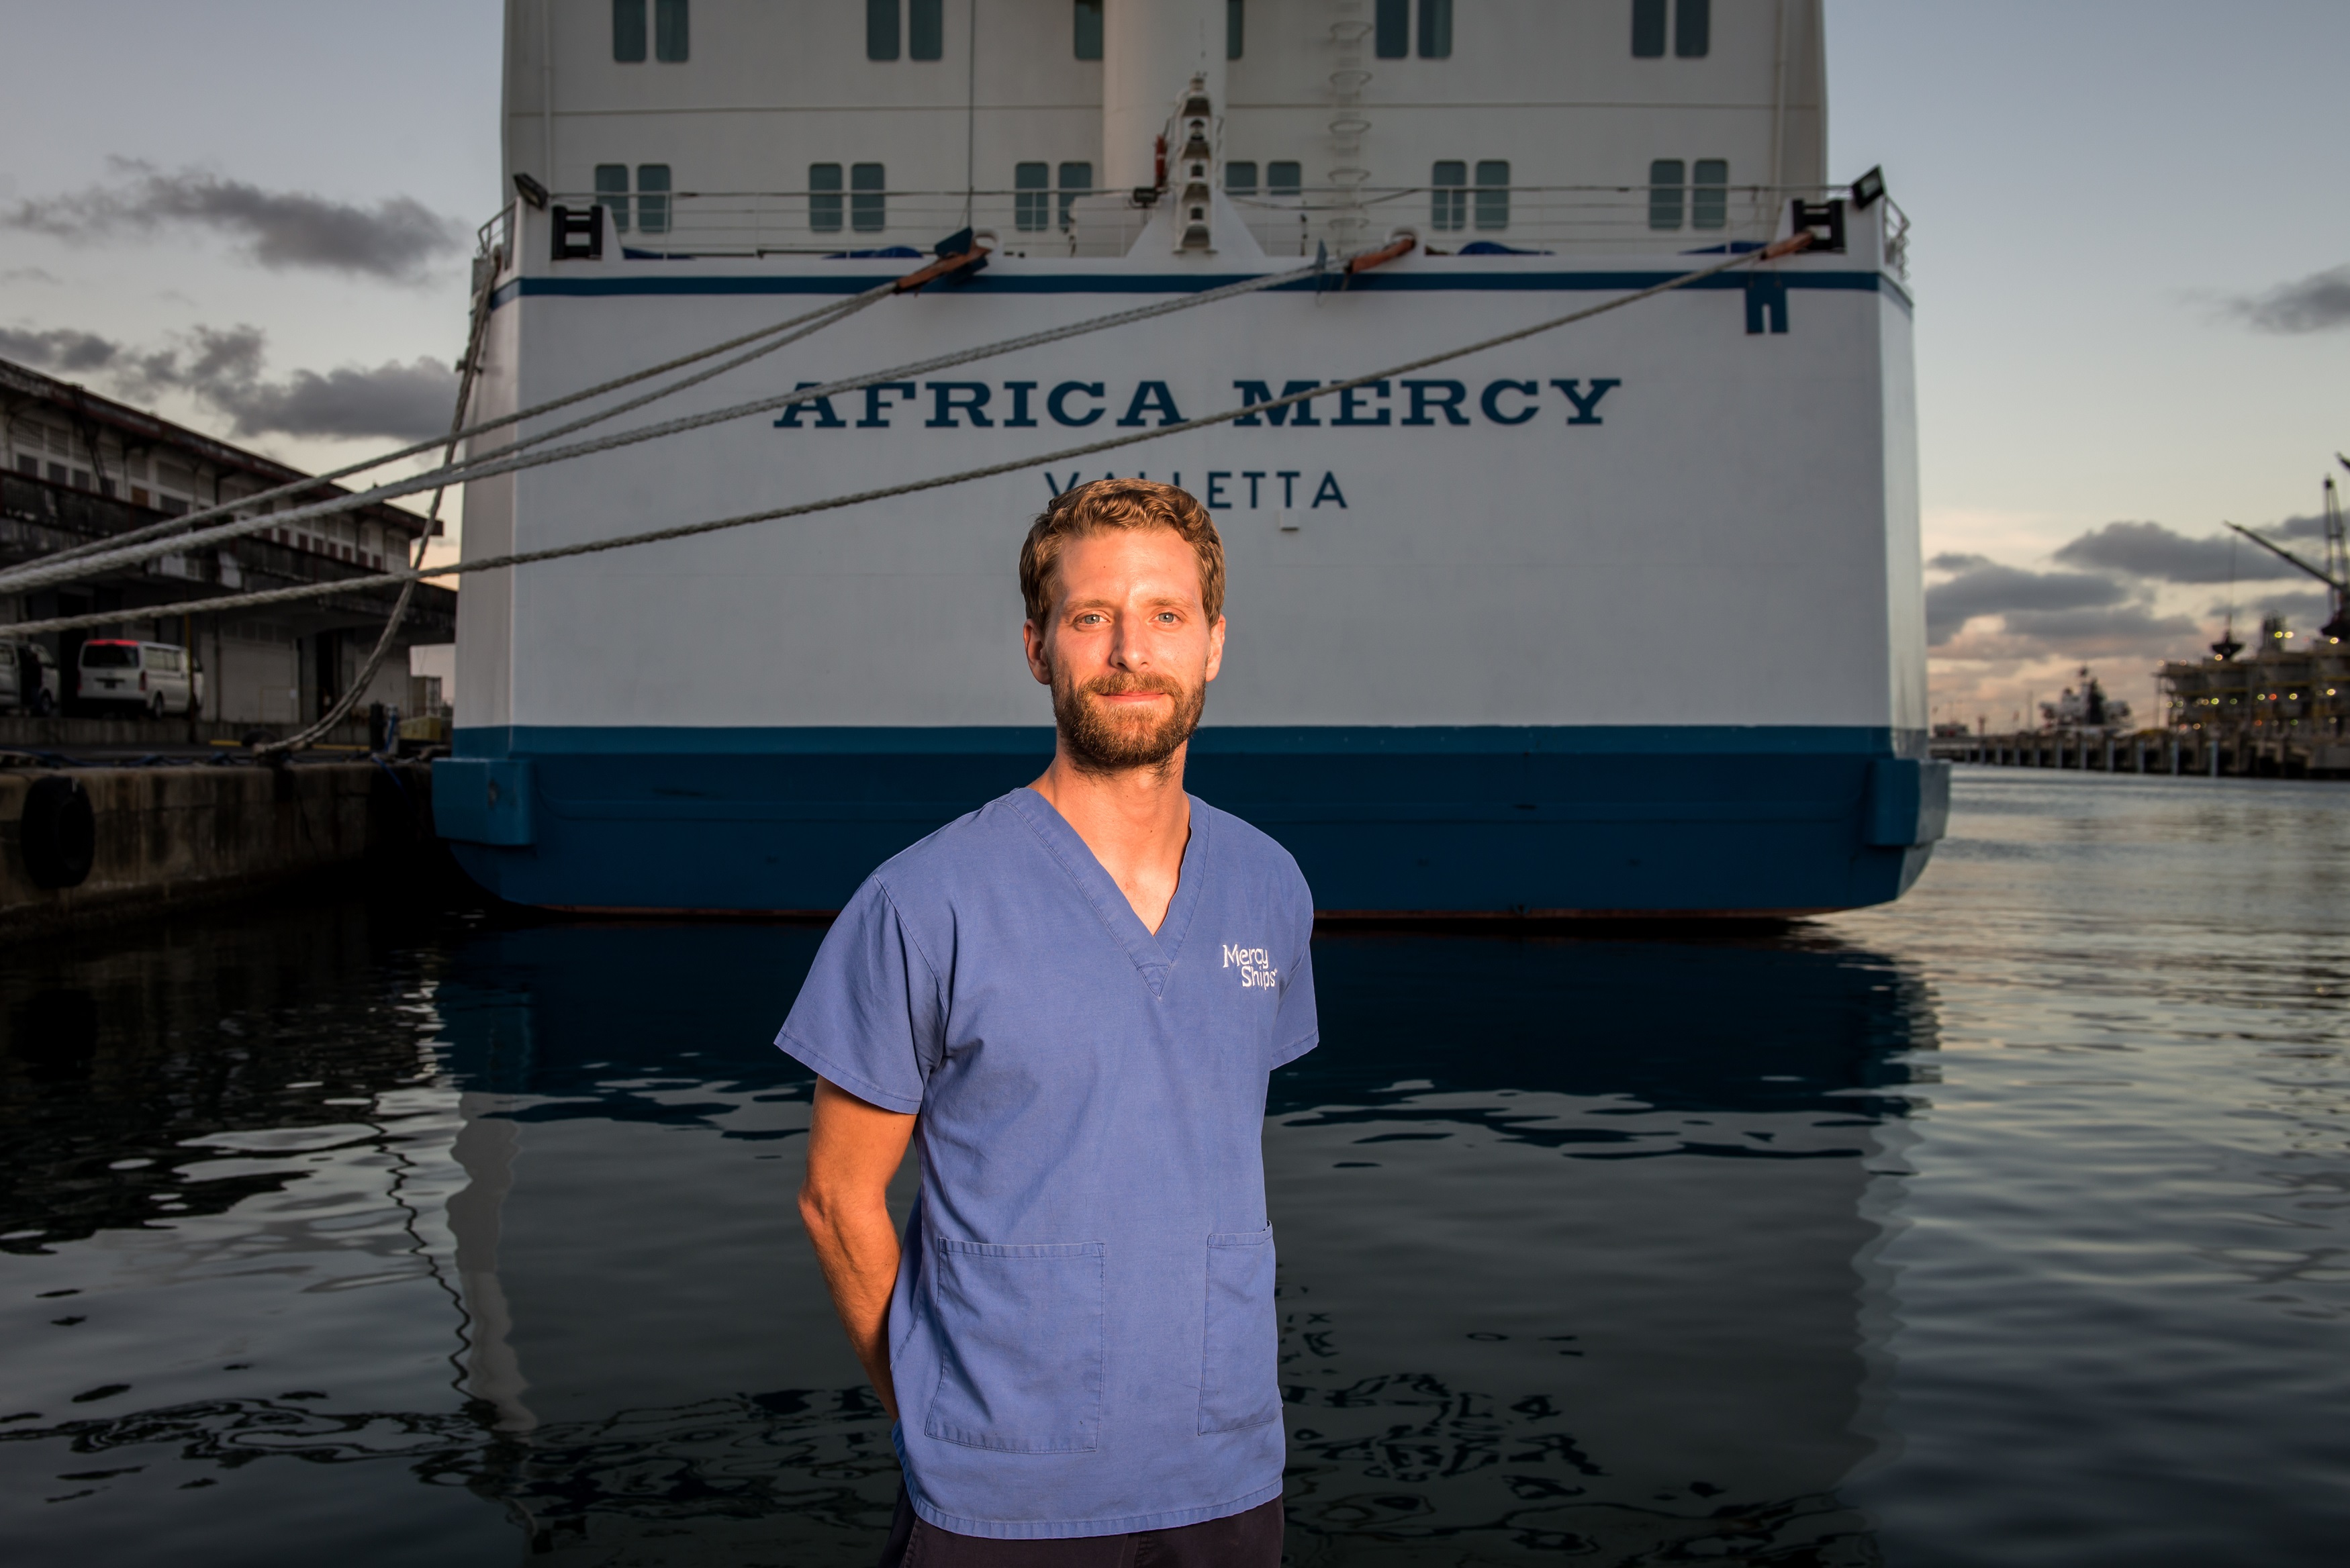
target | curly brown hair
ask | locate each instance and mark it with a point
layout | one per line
(1109, 505)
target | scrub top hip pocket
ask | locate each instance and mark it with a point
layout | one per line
(1020, 1346)
(1240, 1373)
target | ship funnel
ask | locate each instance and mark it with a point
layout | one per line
(1156, 55)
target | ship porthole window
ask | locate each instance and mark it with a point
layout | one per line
(1710, 193)
(1648, 29)
(670, 43)
(1447, 200)
(652, 198)
(1032, 200)
(1691, 25)
(881, 29)
(1494, 193)
(1235, 25)
(1240, 179)
(869, 212)
(1665, 193)
(1284, 178)
(629, 31)
(1692, 28)
(925, 29)
(1076, 179)
(1435, 30)
(824, 198)
(1088, 36)
(612, 193)
(1391, 29)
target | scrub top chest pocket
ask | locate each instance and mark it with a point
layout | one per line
(1019, 1331)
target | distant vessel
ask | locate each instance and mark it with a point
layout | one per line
(2286, 708)
(2084, 706)
(1622, 619)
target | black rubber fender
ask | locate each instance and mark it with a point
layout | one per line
(59, 832)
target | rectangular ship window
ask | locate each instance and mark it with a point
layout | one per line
(1031, 200)
(1090, 29)
(925, 29)
(824, 198)
(1282, 179)
(1435, 30)
(1240, 179)
(881, 29)
(869, 212)
(1664, 194)
(629, 31)
(1692, 28)
(1391, 29)
(670, 42)
(1648, 29)
(1448, 203)
(612, 193)
(652, 198)
(1492, 194)
(1076, 179)
(1235, 24)
(1710, 193)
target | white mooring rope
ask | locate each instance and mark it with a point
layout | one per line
(42, 574)
(169, 527)
(1107, 443)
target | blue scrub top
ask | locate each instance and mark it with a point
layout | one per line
(1083, 1335)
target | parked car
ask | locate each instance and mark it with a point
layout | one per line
(28, 678)
(156, 678)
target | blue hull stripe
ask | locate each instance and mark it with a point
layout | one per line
(1464, 821)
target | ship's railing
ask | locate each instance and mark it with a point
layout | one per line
(1557, 219)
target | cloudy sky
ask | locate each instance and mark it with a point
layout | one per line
(2132, 259)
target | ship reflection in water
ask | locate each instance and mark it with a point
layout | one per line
(340, 1235)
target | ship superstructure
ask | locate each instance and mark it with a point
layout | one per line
(1620, 619)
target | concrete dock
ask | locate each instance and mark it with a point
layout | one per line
(81, 846)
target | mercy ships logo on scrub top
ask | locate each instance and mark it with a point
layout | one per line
(1254, 964)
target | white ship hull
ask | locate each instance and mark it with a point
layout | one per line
(1625, 617)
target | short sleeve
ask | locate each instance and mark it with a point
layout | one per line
(869, 1016)
(1295, 1028)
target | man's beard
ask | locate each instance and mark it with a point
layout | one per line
(1102, 738)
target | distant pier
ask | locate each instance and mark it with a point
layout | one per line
(2192, 753)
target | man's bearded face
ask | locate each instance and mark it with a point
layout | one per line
(1105, 736)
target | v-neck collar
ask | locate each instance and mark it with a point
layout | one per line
(1153, 956)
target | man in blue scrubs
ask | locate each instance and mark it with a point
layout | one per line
(1070, 1001)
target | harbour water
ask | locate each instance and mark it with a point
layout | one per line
(2007, 1224)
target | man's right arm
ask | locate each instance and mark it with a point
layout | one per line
(854, 1148)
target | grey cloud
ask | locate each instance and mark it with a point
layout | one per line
(2317, 303)
(2115, 627)
(2151, 550)
(396, 238)
(2300, 610)
(401, 402)
(224, 368)
(2310, 527)
(1981, 587)
(59, 349)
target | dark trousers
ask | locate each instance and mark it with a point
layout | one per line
(1251, 1540)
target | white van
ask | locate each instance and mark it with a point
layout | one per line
(28, 678)
(154, 677)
